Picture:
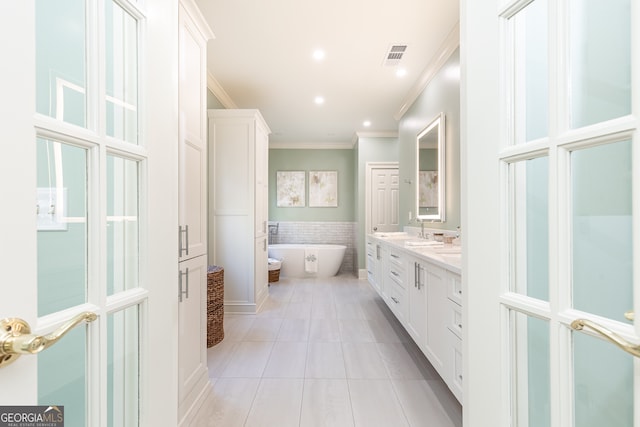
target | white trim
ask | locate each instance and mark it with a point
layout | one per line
(218, 91)
(449, 46)
(311, 145)
(196, 16)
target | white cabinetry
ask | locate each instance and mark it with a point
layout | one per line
(193, 378)
(374, 263)
(417, 306)
(455, 325)
(437, 311)
(425, 295)
(394, 285)
(238, 205)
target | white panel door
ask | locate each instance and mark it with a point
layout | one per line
(385, 192)
(552, 240)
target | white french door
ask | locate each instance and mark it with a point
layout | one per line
(75, 180)
(551, 169)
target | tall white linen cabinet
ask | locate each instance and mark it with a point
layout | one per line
(238, 205)
(191, 287)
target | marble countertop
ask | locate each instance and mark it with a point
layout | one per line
(447, 256)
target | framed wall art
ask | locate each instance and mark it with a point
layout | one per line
(323, 189)
(290, 188)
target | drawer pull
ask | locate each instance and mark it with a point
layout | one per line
(459, 326)
(395, 256)
(394, 273)
(395, 300)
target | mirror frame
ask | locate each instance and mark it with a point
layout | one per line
(438, 122)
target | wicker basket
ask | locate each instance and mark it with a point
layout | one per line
(274, 275)
(215, 305)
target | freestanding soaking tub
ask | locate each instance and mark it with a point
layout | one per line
(308, 260)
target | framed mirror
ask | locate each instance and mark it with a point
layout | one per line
(430, 171)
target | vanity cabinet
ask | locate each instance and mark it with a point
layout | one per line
(436, 342)
(191, 280)
(417, 307)
(394, 285)
(238, 205)
(455, 325)
(374, 264)
(425, 295)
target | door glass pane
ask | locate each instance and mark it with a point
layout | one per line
(121, 73)
(62, 376)
(600, 60)
(531, 371)
(122, 224)
(531, 72)
(123, 368)
(603, 381)
(61, 206)
(60, 60)
(530, 234)
(602, 229)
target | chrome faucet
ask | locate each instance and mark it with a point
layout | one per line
(421, 235)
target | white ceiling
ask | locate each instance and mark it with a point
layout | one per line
(262, 58)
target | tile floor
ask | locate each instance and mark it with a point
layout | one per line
(323, 352)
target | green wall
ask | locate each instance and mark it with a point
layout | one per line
(442, 94)
(341, 160)
(369, 149)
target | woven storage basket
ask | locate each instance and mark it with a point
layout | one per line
(215, 305)
(274, 275)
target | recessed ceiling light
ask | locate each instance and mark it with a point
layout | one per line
(319, 100)
(401, 72)
(366, 123)
(318, 54)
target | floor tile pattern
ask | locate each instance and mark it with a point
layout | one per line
(323, 352)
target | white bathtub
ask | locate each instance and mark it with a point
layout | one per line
(326, 263)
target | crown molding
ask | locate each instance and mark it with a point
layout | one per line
(310, 145)
(449, 46)
(193, 10)
(218, 91)
(373, 134)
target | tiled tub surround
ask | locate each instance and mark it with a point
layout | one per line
(337, 233)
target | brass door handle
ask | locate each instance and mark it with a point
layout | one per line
(612, 337)
(16, 338)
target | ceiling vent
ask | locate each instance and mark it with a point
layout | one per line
(394, 55)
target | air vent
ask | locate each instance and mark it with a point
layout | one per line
(394, 55)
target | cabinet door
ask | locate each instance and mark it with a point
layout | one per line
(192, 137)
(192, 356)
(417, 317)
(437, 315)
(262, 180)
(261, 271)
(192, 214)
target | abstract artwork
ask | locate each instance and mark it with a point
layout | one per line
(323, 189)
(290, 186)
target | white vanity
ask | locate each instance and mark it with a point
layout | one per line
(421, 284)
